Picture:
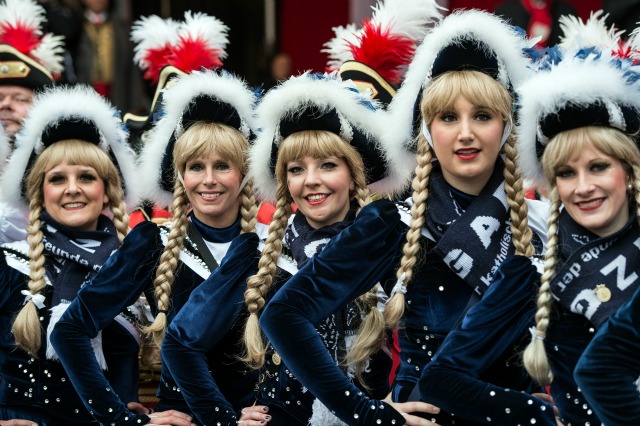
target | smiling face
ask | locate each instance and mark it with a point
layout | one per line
(593, 188)
(319, 171)
(211, 158)
(590, 168)
(74, 195)
(321, 188)
(212, 185)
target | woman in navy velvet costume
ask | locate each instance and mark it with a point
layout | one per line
(195, 157)
(75, 151)
(315, 130)
(468, 211)
(556, 106)
(608, 369)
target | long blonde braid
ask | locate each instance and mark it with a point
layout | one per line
(248, 209)
(165, 273)
(518, 210)
(26, 328)
(259, 284)
(395, 306)
(535, 356)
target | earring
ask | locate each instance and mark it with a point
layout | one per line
(629, 187)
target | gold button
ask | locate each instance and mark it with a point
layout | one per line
(276, 358)
(603, 293)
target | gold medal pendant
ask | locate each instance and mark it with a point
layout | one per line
(275, 358)
(602, 293)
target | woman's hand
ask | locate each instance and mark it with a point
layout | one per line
(254, 416)
(414, 407)
(138, 408)
(17, 422)
(170, 418)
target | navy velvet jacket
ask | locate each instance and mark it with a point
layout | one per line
(609, 368)
(359, 255)
(203, 342)
(494, 332)
(122, 279)
(29, 381)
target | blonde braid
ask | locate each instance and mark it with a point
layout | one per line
(394, 308)
(518, 209)
(535, 356)
(165, 276)
(248, 209)
(120, 219)
(259, 284)
(26, 328)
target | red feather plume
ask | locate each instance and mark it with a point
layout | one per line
(193, 54)
(157, 59)
(384, 52)
(24, 39)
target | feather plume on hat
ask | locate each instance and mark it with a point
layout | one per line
(166, 49)
(594, 82)
(376, 55)
(28, 57)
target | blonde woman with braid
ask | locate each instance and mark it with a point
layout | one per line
(467, 212)
(195, 157)
(320, 149)
(578, 122)
(70, 164)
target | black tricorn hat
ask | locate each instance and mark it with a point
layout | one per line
(17, 69)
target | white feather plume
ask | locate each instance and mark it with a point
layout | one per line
(209, 28)
(591, 33)
(23, 12)
(409, 18)
(338, 48)
(50, 53)
(152, 32)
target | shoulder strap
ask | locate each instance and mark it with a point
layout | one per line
(202, 247)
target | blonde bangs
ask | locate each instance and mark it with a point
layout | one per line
(316, 144)
(201, 139)
(478, 88)
(568, 145)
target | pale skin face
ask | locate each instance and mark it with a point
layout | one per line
(593, 188)
(321, 188)
(74, 196)
(466, 142)
(15, 102)
(212, 185)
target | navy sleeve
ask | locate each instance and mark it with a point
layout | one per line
(349, 265)
(491, 328)
(211, 311)
(609, 368)
(117, 285)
